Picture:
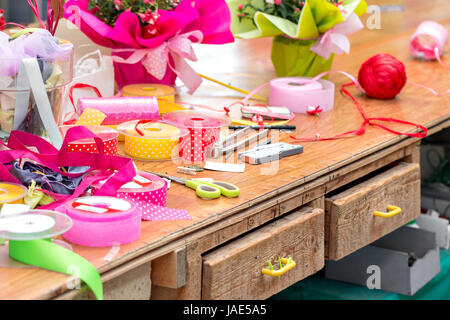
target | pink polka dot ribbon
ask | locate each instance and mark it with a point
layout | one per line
(109, 147)
(196, 145)
(149, 193)
(108, 136)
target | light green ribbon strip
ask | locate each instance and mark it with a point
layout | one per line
(50, 256)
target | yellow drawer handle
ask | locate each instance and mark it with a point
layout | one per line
(392, 211)
(288, 265)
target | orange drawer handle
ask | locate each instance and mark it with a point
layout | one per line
(288, 265)
(392, 211)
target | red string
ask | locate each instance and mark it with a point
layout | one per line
(368, 121)
(81, 86)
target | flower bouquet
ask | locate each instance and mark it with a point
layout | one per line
(307, 33)
(150, 39)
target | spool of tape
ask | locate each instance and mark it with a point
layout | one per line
(108, 135)
(102, 221)
(428, 36)
(160, 141)
(297, 94)
(12, 193)
(165, 95)
(121, 109)
(30, 242)
(204, 131)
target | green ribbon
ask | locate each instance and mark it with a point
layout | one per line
(50, 256)
(24, 31)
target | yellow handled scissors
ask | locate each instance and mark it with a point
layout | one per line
(206, 190)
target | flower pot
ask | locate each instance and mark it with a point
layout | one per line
(126, 74)
(293, 58)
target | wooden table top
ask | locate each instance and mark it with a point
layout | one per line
(246, 64)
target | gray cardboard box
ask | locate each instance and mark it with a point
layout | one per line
(401, 262)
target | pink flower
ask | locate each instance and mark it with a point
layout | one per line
(241, 7)
(117, 2)
(277, 2)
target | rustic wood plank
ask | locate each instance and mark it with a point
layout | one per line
(170, 270)
(351, 223)
(234, 270)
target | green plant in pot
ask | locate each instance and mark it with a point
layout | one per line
(306, 34)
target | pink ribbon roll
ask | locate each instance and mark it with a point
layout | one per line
(102, 221)
(428, 41)
(108, 136)
(149, 193)
(122, 109)
(298, 93)
(204, 131)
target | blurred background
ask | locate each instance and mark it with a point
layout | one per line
(19, 11)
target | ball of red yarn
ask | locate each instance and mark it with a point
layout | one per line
(382, 76)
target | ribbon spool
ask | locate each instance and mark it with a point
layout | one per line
(12, 193)
(165, 95)
(149, 193)
(102, 221)
(121, 109)
(153, 141)
(108, 136)
(299, 93)
(428, 41)
(204, 131)
(30, 242)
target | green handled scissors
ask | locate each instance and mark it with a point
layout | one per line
(206, 190)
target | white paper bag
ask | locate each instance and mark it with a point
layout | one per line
(88, 57)
(102, 78)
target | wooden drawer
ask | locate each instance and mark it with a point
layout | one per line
(350, 220)
(234, 271)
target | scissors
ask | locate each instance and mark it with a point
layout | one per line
(206, 190)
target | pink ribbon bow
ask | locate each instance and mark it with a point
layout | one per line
(314, 111)
(335, 40)
(156, 60)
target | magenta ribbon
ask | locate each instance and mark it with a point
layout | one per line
(156, 60)
(101, 166)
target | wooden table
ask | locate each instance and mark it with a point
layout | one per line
(281, 210)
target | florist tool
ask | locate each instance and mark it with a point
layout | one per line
(189, 171)
(204, 131)
(100, 221)
(270, 152)
(270, 127)
(206, 190)
(267, 112)
(224, 166)
(108, 136)
(12, 193)
(165, 95)
(149, 193)
(30, 242)
(219, 150)
(153, 140)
